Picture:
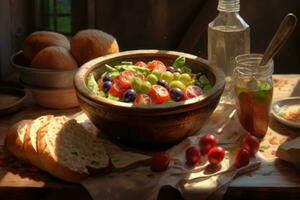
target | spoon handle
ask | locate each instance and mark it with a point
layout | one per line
(284, 31)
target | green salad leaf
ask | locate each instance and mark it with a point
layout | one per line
(186, 69)
(102, 94)
(179, 62)
(134, 68)
(111, 70)
(111, 97)
(207, 87)
(169, 102)
(92, 84)
(204, 80)
(126, 63)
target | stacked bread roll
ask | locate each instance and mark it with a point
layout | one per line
(51, 50)
(54, 61)
(58, 145)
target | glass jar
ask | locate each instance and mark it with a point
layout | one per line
(253, 89)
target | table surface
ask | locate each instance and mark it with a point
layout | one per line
(273, 177)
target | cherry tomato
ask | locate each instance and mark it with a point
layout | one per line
(242, 158)
(192, 156)
(160, 162)
(251, 143)
(143, 99)
(207, 142)
(116, 90)
(125, 78)
(159, 94)
(141, 76)
(156, 64)
(192, 91)
(100, 85)
(216, 155)
(140, 64)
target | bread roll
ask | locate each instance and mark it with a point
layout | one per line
(54, 57)
(89, 44)
(39, 40)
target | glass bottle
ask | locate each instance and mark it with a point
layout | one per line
(253, 89)
(228, 36)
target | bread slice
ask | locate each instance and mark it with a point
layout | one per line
(30, 144)
(69, 152)
(15, 139)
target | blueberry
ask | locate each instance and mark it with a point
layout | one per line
(106, 86)
(178, 70)
(130, 95)
(163, 83)
(176, 94)
(197, 83)
(107, 77)
(171, 69)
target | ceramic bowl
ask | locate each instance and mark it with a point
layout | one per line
(141, 125)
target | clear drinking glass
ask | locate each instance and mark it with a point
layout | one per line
(253, 89)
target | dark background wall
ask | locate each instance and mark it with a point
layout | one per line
(162, 24)
(182, 25)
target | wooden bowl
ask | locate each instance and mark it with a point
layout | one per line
(64, 98)
(46, 78)
(148, 124)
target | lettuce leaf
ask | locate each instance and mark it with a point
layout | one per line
(92, 84)
(179, 62)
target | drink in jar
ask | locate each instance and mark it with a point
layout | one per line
(253, 107)
(253, 90)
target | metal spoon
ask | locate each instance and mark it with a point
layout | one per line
(284, 31)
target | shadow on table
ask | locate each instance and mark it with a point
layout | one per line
(282, 129)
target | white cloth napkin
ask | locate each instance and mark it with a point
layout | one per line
(131, 181)
(196, 183)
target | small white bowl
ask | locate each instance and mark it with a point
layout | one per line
(277, 105)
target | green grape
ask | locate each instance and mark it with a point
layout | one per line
(152, 79)
(157, 73)
(136, 84)
(177, 84)
(185, 78)
(176, 76)
(145, 87)
(167, 76)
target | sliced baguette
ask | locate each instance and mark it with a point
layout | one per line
(69, 152)
(30, 143)
(15, 139)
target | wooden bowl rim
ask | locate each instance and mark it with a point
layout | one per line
(85, 69)
(31, 69)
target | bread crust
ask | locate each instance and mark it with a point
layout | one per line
(39, 40)
(13, 142)
(31, 151)
(51, 165)
(92, 43)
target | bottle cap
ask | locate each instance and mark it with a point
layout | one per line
(229, 5)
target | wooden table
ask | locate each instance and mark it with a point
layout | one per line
(275, 179)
